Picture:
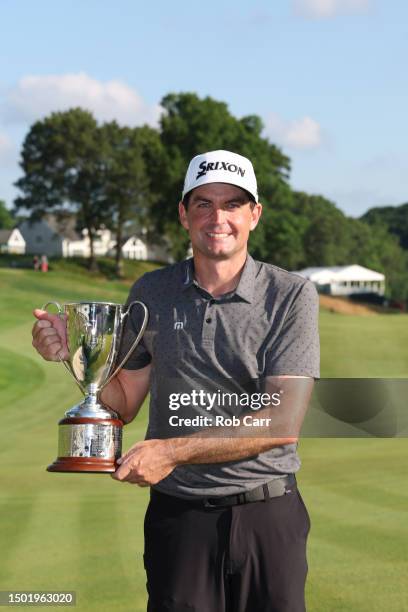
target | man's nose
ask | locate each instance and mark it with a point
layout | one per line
(218, 215)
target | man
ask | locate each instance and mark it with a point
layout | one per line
(226, 527)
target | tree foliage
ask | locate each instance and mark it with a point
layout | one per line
(63, 160)
(394, 218)
(6, 218)
(132, 158)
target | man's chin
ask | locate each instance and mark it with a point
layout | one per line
(217, 254)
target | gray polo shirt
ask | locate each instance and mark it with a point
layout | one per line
(268, 326)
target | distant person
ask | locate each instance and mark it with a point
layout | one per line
(44, 263)
(36, 263)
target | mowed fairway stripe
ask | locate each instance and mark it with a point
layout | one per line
(110, 561)
(15, 513)
(357, 346)
(16, 371)
(355, 561)
(355, 491)
(46, 557)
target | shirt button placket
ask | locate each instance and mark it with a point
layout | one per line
(209, 324)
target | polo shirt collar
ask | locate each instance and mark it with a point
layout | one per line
(187, 273)
(246, 285)
(245, 288)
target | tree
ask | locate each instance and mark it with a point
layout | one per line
(394, 218)
(280, 239)
(325, 235)
(132, 158)
(376, 248)
(6, 218)
(63, 160)
(189, 126)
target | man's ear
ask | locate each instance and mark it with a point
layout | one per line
(183, 215)
(256, 215)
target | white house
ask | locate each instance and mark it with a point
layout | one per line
(345, 280)
(12, 241)
(136, 247)
(58, 237)
(49, 236)
(81, 247)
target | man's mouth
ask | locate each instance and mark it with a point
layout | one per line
(218, 234)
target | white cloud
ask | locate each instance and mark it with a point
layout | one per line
(326, 9)
(36, 96)
(304, 133)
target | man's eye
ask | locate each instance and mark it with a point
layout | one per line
(203, 204)
(234, 204)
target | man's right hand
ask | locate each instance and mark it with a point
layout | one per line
(49, 336)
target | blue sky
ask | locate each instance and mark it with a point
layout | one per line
(326, 76)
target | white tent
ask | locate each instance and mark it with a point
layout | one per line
(345, 280)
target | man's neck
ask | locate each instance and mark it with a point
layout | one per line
(219, 276)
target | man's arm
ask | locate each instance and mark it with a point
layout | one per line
(148, 462)
(127, 391)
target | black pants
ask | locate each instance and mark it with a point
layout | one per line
(247, 558)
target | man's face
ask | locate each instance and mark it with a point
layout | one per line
(219, 218)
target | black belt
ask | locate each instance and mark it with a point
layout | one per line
(273, 488)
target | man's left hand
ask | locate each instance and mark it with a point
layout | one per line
(146, 463)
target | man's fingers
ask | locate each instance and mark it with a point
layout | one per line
(122, 471)
(41, 325)
(134, 449)
(128, 472)
(49, 335)
(48, 343)
(44, 331)
(43, 315)
(51, 339)
(45, 336)
(45, 319)
(51, 353)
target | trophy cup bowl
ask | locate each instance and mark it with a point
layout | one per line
(90, 434)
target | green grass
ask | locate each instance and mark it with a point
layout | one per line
(84, 533)
(364, 346)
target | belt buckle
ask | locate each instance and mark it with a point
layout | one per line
(208, 504)
(239, 497)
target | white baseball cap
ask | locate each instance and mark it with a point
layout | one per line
(221, 167)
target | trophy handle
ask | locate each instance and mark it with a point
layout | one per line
(64, 363)
(136, 341)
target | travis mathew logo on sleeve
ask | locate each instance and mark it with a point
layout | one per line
(219, 165)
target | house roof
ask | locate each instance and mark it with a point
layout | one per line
(333, 274)
(64, 226)
(5, 235)
(128, 239)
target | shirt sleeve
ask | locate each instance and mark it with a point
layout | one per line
(296, 350)
(140, 357)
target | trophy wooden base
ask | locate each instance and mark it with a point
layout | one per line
(91, 465)
(88, 445)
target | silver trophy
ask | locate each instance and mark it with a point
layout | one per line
(90, 434)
